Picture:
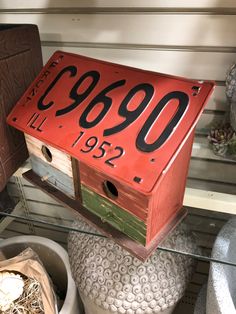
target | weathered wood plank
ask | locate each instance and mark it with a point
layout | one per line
(52, 175)
(59, 159)
(114, 215)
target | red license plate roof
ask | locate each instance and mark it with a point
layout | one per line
(125, 122)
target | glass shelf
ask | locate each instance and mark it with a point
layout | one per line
(203, 227)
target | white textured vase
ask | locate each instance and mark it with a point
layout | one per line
(110, 280)
(221, 290)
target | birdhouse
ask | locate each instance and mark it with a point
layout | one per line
(112, 142)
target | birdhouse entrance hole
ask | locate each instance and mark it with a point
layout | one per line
(110, 189)
(46, 153)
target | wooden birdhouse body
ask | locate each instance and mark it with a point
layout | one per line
(52, 165)
(116, 141)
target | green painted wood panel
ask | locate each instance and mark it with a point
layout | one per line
(114, 215)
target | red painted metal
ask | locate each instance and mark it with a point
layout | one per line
(135, 167)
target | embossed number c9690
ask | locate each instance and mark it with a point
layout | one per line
(105, 97)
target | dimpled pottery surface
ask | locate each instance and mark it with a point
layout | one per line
(113, 281)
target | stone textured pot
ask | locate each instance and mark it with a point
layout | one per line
(55, 260)
(200, 306)
(221, 290)
(110, 280)
(21, 61)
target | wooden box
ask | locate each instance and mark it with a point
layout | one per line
(113, 143)
(20, 62)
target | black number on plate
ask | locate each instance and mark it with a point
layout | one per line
(100, 98)
(78, 98)
(102, 149)
(70, 69)
(90, 144)
(131, 115)
(183, 103)
(120, 153)
(77, 139)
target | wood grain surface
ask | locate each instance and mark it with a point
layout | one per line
(20, 62)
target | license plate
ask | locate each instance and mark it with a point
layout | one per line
(126, 122)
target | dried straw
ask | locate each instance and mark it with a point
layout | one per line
(30, 302)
